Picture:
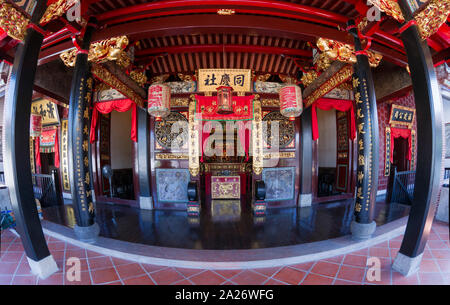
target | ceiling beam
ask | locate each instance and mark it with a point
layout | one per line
(249, 25)
(161, 8)
(222, 48)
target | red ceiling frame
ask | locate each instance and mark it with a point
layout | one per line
(264, 7)
(117, 16)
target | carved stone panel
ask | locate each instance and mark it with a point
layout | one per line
(280, 183)
(166, 135)
(286, 127)
(172, 185)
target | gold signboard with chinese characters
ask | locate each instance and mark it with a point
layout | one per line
(210, 79)
(48, 111)
(402, 116)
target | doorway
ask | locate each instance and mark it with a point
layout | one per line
(400, 154)
(334, 155)
(114, 155)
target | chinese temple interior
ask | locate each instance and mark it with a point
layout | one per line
(223, 124)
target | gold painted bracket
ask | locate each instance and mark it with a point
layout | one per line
(110, 79)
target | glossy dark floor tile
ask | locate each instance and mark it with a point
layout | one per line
(280, 227)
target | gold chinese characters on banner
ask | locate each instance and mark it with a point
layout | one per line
(64, 154)
(210, 79)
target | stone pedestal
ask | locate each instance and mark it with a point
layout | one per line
(442, 210)
(362, 231)
(145, 203)
(87, 234)
(43, 268)
(407, 265)
(305, 200)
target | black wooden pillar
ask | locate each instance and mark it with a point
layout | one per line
(429, 151)
(145, 199)
(79, 162)
(306, 159)
(17, 150)
(363, 225)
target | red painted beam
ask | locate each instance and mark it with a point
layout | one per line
(187, 11)
(224, 48)
(117, 15)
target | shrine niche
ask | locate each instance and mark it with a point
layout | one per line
(280, 183)
(164, 134)
(286, 127)
(401, 122)
(172, 185)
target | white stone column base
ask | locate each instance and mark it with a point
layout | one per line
(304, 200)
(407, 265)
(43, 268)
(146, 203)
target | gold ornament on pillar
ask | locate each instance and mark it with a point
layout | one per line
(57, 9)
(309, 77)
(390, 7)
(139, 77)
(111, 49)
(335, 50)
(430, 19)
(12, 21)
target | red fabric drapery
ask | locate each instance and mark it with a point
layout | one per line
(37, 152)
(48, 136)
(400, 133)
(56, 150)
(206, 108)
(117, 105)
(328, 104)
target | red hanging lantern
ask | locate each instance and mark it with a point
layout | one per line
(159, 100)
(35, 125)
(224, 100)
(291, 102)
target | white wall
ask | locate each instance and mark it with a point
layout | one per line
(121, 144)
(327, 138)
(446, 119)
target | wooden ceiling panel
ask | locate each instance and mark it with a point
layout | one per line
(172, 61)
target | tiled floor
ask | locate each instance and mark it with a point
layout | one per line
(348, 269)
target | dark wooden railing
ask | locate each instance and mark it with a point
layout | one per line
(47, 189)
(401, 187)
